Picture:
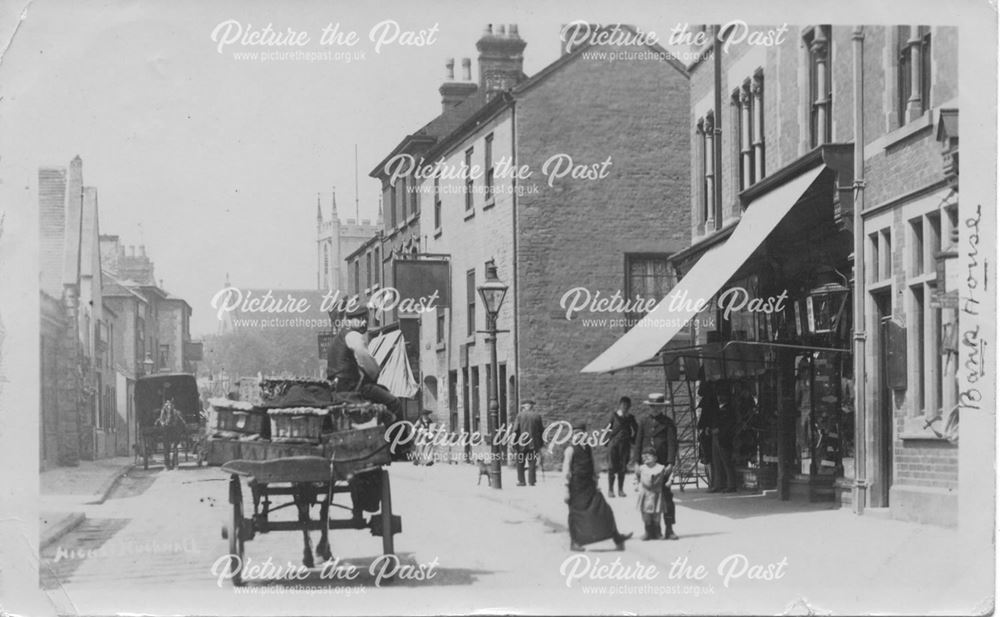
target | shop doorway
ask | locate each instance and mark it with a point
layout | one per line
(883, 416)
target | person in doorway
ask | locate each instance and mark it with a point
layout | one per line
(718, 421)
(528, 442)
(590, 517)
(425, 449)
(621, 431)
(658, 431)
(803, 402)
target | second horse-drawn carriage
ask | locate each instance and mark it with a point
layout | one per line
(168, 417)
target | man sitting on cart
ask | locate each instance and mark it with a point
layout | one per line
(351, 368)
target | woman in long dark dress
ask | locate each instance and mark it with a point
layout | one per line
(590, 517)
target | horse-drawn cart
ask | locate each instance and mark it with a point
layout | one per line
(309, 454)
(156, 429)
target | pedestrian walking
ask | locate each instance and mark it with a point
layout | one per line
(658, 432)
(590, 517)
(651, 477)
(621, 430)
(528, 443)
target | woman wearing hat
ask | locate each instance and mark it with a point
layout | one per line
(590, 517)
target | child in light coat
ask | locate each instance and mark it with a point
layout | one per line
(650, 477)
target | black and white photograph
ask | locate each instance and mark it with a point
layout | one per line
(422, 308)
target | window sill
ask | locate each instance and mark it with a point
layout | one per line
(880, 285)
(469, 214)
(440, 346)
(902, 133)
(913, 429)
(437, 232)
(489, 204)
(920, 279)
(413, 217)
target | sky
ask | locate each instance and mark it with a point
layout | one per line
(214, 163)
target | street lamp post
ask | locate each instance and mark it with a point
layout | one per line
(492, 292)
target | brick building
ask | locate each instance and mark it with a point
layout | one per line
(782, 172)
(373, 265)
(541, 235)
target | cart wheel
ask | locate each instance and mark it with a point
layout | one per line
(386, 514)
(234, 531)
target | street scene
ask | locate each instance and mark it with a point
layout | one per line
(457, 540)
(419, 311)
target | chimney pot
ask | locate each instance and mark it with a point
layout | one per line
(131, 250)
(512, 31)
(142, 250)
(489, 30)
(453, 92)
(449, 66)
(501, 30)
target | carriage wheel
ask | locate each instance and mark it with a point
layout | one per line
(234, 531)
(386, 514)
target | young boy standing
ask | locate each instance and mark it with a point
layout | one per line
(650, 477)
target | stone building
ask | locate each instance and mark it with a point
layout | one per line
(335, 240)
(816, 166)
(547, 237)
(79, 416)
(104, 323)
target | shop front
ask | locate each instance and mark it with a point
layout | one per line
(761, 319)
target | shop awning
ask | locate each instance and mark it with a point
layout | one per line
(704, 280)
(389, 350)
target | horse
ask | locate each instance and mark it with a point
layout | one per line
(173, 430)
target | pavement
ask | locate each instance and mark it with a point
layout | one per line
(66, 492)
(154, 544)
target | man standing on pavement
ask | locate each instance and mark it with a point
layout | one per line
(528, 430)
(622, 429)
(718, 422)
(658, 431)
(590, 517)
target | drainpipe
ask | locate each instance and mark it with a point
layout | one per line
(717, 138)
(860, 376)
(514, 262)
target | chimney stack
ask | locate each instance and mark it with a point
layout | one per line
(454, 92)
(501, 59)
(142, 250)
